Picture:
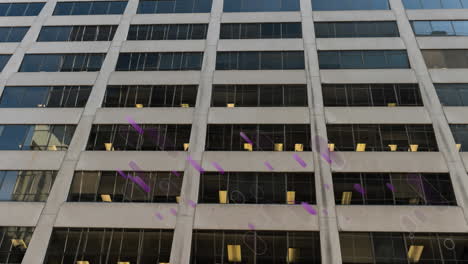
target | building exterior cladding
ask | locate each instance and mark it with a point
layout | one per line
(358, 109)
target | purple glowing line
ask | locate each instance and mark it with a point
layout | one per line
(390, 186)
(327, 186)
(173, 211)
(244, 136)
(135, 125)
(268, 165)
(359, 188)
(195, 165)
(251, 226)
(176, 173)
(326, 157)
(141, 183)
(309, 208)
(218, 167)
(123, 174)
(299, 160)
(192, 203)
(159, 216)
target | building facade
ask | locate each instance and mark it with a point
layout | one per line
(235, 131)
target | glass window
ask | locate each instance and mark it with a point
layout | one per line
(446, 58)
(89, 8)
(326, 5)
(250, 60)
(363, 59)
(3, 61)
(12, 34)
(61, 62)
(174, 6)
(443, 28)
(159, 61)
(461, 28)
(260, 5)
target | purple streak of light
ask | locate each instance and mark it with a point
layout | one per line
(159, 216)
(192, 203)
(173, 211)
(299, 160)
(359, 188)
(390, 186)
(135, 125)
(309, 208)
(251, 226)
(141, 183)
(123, 174)
(176, 173)
(218, 167)
(244, 136)
(268, 165)
(326, 157)
(195, 165)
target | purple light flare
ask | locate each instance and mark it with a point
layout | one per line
(176, 173)
(309, 208)
(251, 226)
(159, 216)
(390, 186)
(195, 165)
(123, 174)
(359, 188)
(218, 167)
(299, 160)
(135, 125)
(173, 211)
(192, 203)
(268, 165)
(244, 136)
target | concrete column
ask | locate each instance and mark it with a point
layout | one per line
(329, 236)
(444, 136)
(181, 244)
(37, 248)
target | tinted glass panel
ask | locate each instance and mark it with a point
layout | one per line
(260, 60)
(89, 8)
(45, 96)
(356, 29)
(174, 6)
(12, 34)
(167, 32)
(446, 58)
(62, 62)
(20, 9)
(260, 5)
(3, 61)
(259, 31)
(77, 33)
(452, 94)
(372, 59)
(35, 137)
(167, 61)
(330, 5)
(435, 4)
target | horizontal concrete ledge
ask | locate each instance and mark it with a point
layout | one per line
(442, 42)
(260, 44)
(83, 20)
(17, 21)
(436, 14)
(146, 160)
(69, 47)
(147, 115)
(456, 114)
(162, 45)
(187, 18)
(115, 215)
(259, 115)
(263, 217)
(464, 156)
(360, 44)
(30, 160)
(8, 47)
(353, 15)
(52, 78)
(20, 213)
(254, 161)
(377, 115)
(449, 75)
(40, 115)
(390, 162)
(258, 17)
(370, 218)
(154, 77)
(260, 77)
(368, 76)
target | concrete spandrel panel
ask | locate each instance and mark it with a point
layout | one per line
(262, 217)
(53, 78)
(146, 160)
(353, 15)
(116, 215)
(163, 46)
(377, 115)
(456, 114)
(437, 14)
(30, 160)
(457, 42)
(260, 77)
(40, 115)
(360, 44)
(374, 218)
(260, 17)
(154, 77)
(69, 47)
(391, 162)
(255, 161)
(9, 47)
(260, 44)
(349, 76)
(83, 20)
(20, 213)
(18, 21)
(156, 115)
(259, 115)
(449, 75)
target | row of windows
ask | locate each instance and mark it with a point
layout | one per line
(174, 6)
(228, 137)
(364, 59)
(440, 28)
(159, 61)
(367, 137)
(167, 32)
(260, 30)
(460, 134)
(150, 96)
(45, 96)
(77, 33)
(109, 186)
(89, 8)
(258, 95)
(26, 186)
(260, 60)
(356, 29)
(62, 62)
(330, 5)
(12, 34)
(371, 95)
(20, 9)
(260, 5)
(435, 4)
(3, 61)
(13, 243)
(453, 94)
(36, 137)
(125, 137)
(446, 58)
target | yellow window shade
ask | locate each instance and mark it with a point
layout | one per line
(234, 253)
